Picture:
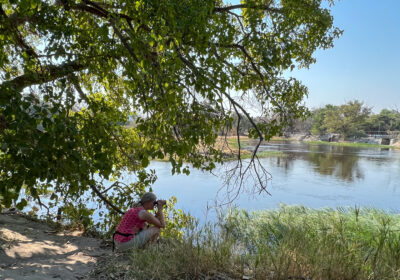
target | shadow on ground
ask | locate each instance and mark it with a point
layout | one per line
(32, 250)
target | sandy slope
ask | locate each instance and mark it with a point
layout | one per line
(32, 250)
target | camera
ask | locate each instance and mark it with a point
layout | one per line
(156, 203)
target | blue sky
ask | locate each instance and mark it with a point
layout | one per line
(364, 64)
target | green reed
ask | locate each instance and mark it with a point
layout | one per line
(292, 242)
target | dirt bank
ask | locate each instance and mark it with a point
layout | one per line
(33, 250)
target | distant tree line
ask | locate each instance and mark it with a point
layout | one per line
(353, 119)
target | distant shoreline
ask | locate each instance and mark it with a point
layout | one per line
(231, 149)
(245, 141)
(339, 143)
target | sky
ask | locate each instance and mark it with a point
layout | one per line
(364, 64)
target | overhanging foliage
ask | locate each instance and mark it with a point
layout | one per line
(73, 72)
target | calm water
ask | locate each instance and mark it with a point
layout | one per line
(316, 176)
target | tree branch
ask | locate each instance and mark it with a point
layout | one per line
(75, 81)
(246, 6)
(105, 200)
(236, 105)
(96, 9)
(231, 100)
(123, 40)
(237, 134)
(47, 74)
(255, 68)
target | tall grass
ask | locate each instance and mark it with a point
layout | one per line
(320, 244)
(288, 243)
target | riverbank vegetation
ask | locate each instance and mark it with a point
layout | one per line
(230, 148)
(344, 125)
(247, 145)
(350, 120)
(348, 144)
(292, 242)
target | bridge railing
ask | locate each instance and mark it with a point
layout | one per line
(388, 134)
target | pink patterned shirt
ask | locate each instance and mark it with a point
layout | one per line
(130, 223)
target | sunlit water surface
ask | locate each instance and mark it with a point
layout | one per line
(316, 176)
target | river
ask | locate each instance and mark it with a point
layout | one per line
(315, 176)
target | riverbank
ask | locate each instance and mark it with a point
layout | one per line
(362, 142)
(36, 250)
(349, 144)
(230, 146)
(247, 142)
(230, 149)
(288, 243)
(291, 242)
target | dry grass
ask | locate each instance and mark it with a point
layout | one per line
(230, 148)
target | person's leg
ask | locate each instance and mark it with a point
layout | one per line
(140, 240)
(123, 246)
(149, 235)
(154, 233)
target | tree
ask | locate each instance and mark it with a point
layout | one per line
(73, 71)
(318, 119)
(348, 119)
(386, 120)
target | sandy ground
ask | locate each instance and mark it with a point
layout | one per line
(33, 250)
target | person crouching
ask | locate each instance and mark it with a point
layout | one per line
(134, 231)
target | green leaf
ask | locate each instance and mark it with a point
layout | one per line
(145, 162)
(22, 204)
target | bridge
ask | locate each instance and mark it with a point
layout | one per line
(384, 137)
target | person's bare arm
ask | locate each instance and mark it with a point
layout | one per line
(158, 219)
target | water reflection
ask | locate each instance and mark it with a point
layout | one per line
(285, 162)
(312, 175)
(333, 164)
(337, 161)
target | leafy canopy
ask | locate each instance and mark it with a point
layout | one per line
(349, 119)
(74, 72)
